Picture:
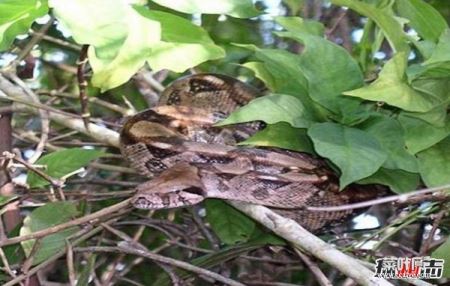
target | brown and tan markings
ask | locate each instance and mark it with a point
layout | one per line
(187, 159)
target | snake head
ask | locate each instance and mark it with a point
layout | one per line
(174, 199)
(176, 187)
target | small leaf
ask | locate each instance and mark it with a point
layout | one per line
(443, 252)
(391, 28)
(16, 18)
(271, 109)
(420, 135)
(282, 135)
(389, 133)
(423, 18)
(235, 8)
(391, 87)
(61, 163)
(299, 25)
(399, 181)
(48, 215)
(434, 164)
(230, 225)
(357, 153)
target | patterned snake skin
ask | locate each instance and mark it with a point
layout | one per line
(188, 159)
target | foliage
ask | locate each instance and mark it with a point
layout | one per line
(375, 109)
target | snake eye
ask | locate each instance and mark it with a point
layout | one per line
(193, 190)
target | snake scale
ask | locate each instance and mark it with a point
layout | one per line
(188, 159)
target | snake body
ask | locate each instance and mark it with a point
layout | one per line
(188, 159)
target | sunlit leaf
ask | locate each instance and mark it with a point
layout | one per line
(299, 25)
(391, 28)
(47, 216)
(118, 36)
(357, 153)
(179, 37)
(235, 8)
(16, 18)
(391, 87)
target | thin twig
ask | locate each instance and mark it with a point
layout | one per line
(76, 222)
(397, 198)
(437, 220)
(82, 84)
(318, 274)
(129, 249)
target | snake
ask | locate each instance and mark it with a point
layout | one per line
(187, 158)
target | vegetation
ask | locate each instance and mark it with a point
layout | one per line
(363, 84)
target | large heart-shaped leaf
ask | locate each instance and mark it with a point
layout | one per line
(434, 164)
(357, 153)
(272, 109)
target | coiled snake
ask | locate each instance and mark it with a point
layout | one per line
(188, 159)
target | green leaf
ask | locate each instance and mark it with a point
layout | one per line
(120, 38)
(179, 37)
(281, 135)
(442, 51)
(391, 28)
(420, 135)
(16, 18)
(330, 70)
(423, 18)
(61, 163)
(357, 153)
(272, 109)
(235, 8)
(391, 87)
(262, 73)
(230, 225)
(390, 135)
(399, 181)
(88, 268)
(434, 164)
(48, 215)
(443, 252)
(299, 25)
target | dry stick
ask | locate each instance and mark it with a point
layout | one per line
(294, 233)
(426, 245)
(53, 258)
(82, 84)
(76, 222)
(396, 198)
(70, 265)
(129, 249)
(54, 182)
(320, 277)
(45, 123)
